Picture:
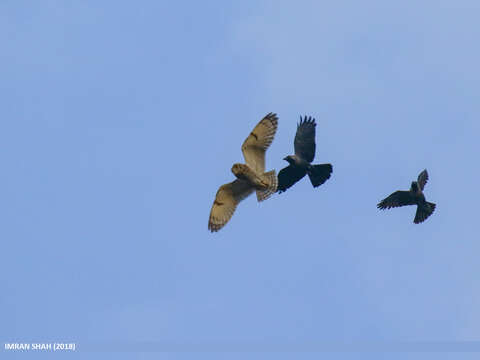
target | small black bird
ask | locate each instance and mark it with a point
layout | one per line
(412, 197)
(300, 163)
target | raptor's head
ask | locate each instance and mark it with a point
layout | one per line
(414, 186)
(239, 170)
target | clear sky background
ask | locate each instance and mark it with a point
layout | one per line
(120, 120)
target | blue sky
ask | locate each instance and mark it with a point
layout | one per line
(120, 120)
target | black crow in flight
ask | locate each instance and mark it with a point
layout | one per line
(300, 163)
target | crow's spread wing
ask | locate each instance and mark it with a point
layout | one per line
(304, 142)
(289, 176)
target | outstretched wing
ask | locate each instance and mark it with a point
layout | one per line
(289, 176)
(258, 141)
(398, 198)
(304, 142)
(422, 179)
(226, 201)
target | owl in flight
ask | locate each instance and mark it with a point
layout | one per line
(250, 176)
(412, 197)
(300, 163)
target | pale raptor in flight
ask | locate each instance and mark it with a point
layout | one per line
(250, 176)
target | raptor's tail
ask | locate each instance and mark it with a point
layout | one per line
(318, 174)
(424, 211)
(271, 179)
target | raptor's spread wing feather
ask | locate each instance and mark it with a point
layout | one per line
(256, 144)
(422, 179)
(398, 198)
(226, 201)
(304, 142)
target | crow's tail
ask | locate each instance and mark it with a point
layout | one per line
(318, 174)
